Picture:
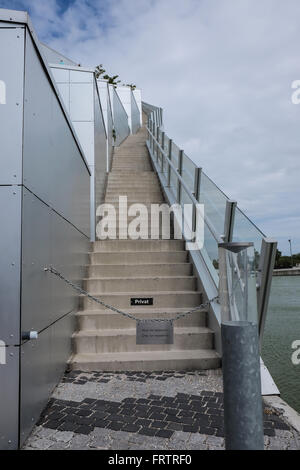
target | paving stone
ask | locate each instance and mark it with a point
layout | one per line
(148, 431)
(119, 445)
(214, 441)
(62, 436)
(59, 446)
(166, 433)
(42, 444)
(45, 432)
(79, 441)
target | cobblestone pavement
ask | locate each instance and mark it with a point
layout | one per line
(146, 410)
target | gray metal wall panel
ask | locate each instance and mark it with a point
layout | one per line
(43, 363)
(11, 104)
(48, 239)
(55, 57)
(9, 402)
(52, 164)
(10, 253)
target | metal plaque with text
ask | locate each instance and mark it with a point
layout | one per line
(154, 332)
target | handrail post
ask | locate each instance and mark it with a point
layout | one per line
(229, 220)
(152, 142)
(196, 192)
(153, 134)
(161, 116)
(157, 141)
(180, 157)
(265, 272)
(170, 158)
(163, 147)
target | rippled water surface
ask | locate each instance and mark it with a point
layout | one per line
(282, 328)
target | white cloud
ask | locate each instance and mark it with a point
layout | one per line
(221, 69)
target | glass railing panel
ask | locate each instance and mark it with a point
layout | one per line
(245, 231)
(188, 171)
(166, 144)
(214, 201)
(175, 154)
(120, 118)
(173, 183)
(187, 208)
(238, 283)
(210, 253)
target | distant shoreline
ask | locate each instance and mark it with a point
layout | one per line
(287, 272)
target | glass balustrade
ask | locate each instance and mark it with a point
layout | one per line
(213, 199)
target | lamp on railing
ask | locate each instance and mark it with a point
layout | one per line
(243, 422)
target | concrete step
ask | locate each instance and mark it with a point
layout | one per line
(141, 284)
(133, 270)
(114, 175)
(133, 183)
(199, 359)
(138, 245)
(131, 158)
(156, 198)
(124, 340)
(149, 185)
(134, 194)
(141, 257)
(161, 299)
(153, 190)
(133, 226)
(130, 202)
(136, 166)
(107, 319)
(138, 187)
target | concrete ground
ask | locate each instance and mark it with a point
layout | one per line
(151, 410)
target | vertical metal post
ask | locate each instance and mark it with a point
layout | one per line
(161, 116)
(157, 140)
(163, 147)
(196, 193)
(243, 414)
(153, 138)
(229, 220)
(265, 272)
(149, 132)
(180, 157)
(170, 158)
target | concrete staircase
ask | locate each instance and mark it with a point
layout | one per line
(121, 269)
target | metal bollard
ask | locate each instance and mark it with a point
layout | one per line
(243, 415)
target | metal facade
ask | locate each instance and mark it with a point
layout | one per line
(45, 220)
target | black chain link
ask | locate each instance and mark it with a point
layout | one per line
(81, 291)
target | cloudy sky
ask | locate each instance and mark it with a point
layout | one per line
(221, 69)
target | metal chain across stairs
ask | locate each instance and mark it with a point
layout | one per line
(54, 271)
